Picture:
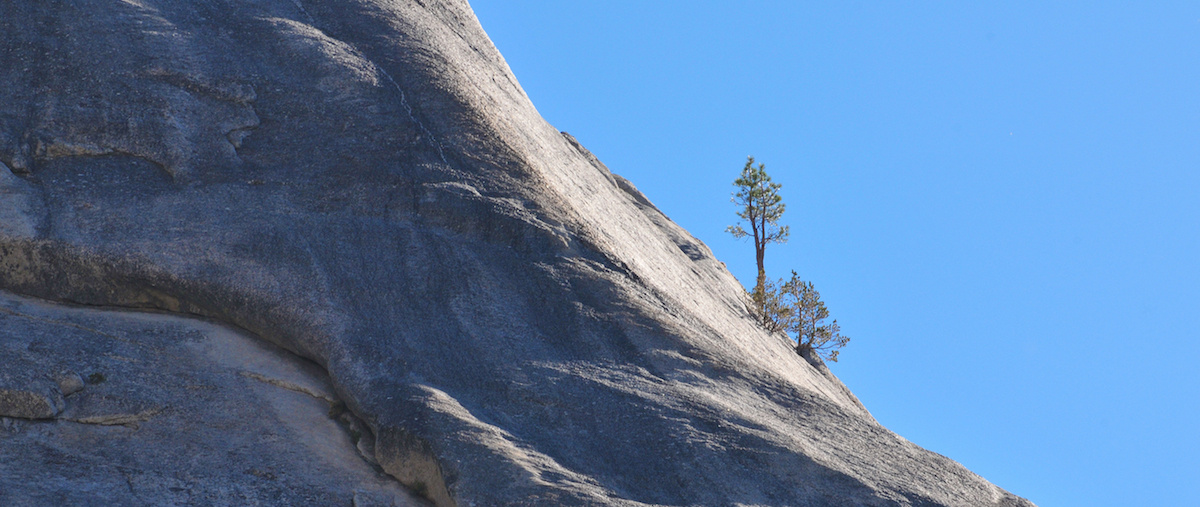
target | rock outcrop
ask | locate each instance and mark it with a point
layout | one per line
(465, 294)
(151, 409)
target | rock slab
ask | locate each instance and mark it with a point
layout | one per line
(154, 409)
(363, 184)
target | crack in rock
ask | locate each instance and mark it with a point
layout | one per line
(283, 384)
(437, 145)
(129, 420)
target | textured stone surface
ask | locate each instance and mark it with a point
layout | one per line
(364, 184)
(162, 410)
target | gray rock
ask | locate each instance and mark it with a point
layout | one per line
(176, 411)
(364, 184)
(36, 400)
(69, 382)
(20, 210)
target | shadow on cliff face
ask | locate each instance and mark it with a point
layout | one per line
(364, 184)
(133, 83)
(153, 409)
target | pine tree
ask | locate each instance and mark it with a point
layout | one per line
(761, 206)
(807, 320)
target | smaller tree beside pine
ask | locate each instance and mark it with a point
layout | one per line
(805, 320)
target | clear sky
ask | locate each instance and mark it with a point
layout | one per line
(999, 202)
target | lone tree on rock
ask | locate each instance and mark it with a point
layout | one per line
(806, 320)
(761, 206)
(793, 307)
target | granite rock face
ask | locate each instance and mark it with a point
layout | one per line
(363, 184)
(155, 409)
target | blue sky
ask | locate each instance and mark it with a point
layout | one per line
(999, 202)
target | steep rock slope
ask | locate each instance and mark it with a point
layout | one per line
(364, 183)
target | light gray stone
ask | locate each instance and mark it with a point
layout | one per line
(30, 402)
(364, 184)
(69, 382)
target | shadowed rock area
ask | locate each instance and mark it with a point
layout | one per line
(149, 409)
(363, 184)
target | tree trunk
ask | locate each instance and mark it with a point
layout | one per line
(759, 251)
